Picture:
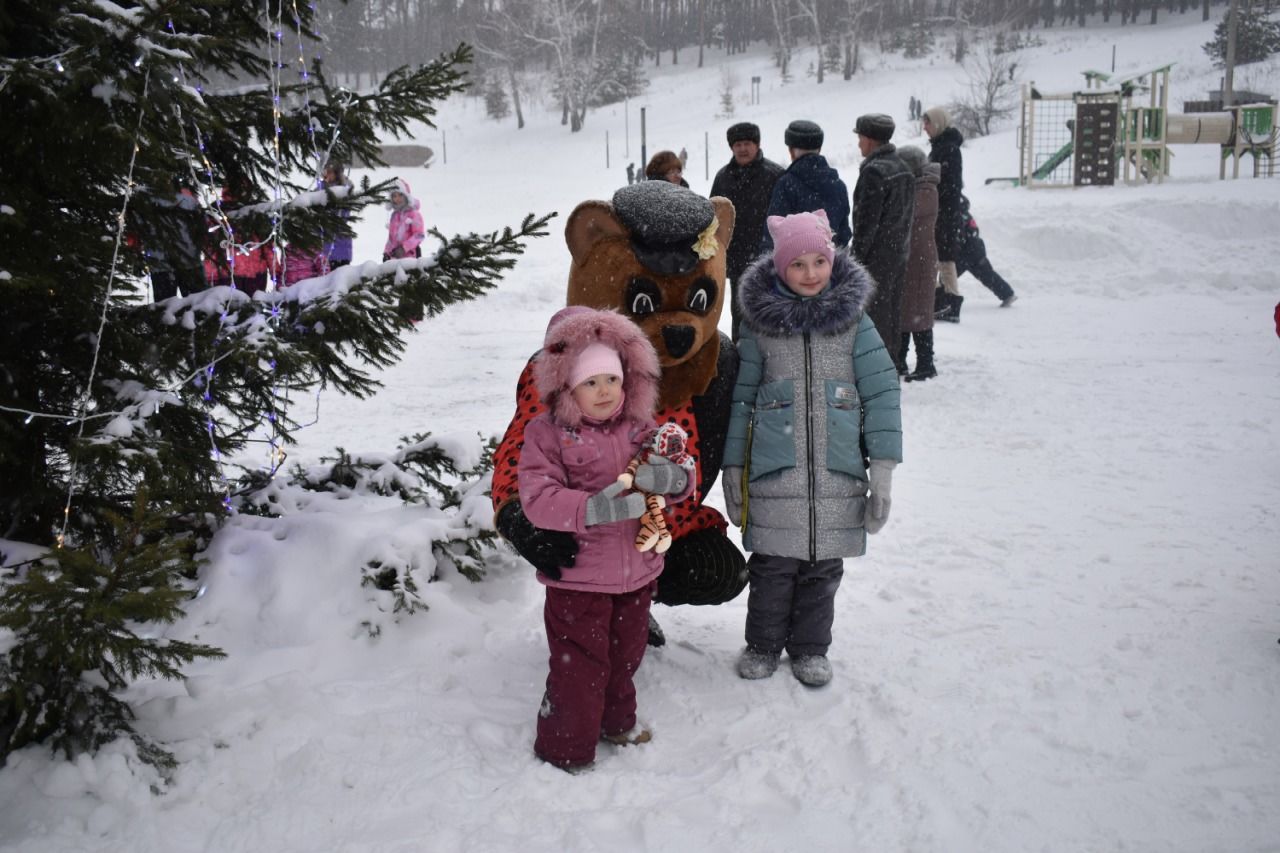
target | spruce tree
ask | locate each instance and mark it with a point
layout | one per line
(1257, 37)
(119, 417)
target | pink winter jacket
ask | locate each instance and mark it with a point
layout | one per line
(568, 457)
(405, 230)
(560, 468)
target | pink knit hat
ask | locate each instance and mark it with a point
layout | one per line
(596, 358)
(797, 234)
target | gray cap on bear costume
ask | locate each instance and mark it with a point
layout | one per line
(803, 134)
(665, 222)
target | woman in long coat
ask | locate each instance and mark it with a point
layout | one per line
(922, 265)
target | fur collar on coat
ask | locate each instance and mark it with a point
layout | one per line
(770, 309)
(570, 331)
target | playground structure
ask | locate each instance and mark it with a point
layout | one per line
(1123, 123)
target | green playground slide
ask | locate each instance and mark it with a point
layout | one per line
(1046, 168)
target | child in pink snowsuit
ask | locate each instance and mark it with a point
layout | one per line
(597, 373)
(405, 231)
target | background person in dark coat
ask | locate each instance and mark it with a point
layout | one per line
(809, 184)
(883, 200)
(972, 258)
(747, 181)
(944, 149)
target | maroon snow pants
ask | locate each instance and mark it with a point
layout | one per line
(597, 641)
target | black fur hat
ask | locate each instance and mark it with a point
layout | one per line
(805, 135)
(743, 131)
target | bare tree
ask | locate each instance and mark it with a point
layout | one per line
(992, 93)
(809, 10)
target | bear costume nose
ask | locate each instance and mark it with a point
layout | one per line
(679, 339)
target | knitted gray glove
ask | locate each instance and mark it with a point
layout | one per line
(879, 500)
(661, 476)
(605, 506)
(731, 481)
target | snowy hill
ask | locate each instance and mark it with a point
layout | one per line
(1064, 640)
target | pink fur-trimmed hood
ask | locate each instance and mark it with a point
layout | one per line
(570, 331)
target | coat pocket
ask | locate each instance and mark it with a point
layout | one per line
(582, 458)
(844, 429)
(773, 439)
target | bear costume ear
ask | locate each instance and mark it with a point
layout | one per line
(590, 223)
(725, 217)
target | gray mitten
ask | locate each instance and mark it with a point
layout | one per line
(605, 506)
(879, 500)
(731, 481)
(661, 476)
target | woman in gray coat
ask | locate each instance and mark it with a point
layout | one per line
(814, 434)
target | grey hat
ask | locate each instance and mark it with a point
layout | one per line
(914, 157)
(804, 134)
(877, 126)
(743, 131)
(665, 221)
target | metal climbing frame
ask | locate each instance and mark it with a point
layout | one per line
(1068, 139)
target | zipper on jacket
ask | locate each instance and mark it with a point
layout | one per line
(808, 440)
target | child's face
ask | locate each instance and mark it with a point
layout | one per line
(808, 274)
(598, 395)
(397, 198)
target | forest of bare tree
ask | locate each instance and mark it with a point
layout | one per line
(585, 53)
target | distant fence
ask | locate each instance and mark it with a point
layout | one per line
(406, 156)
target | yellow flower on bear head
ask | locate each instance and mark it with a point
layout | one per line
(707, 245)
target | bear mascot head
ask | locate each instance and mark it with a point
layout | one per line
(656, 254)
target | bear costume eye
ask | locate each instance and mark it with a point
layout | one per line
(702, 295)
(643, 297)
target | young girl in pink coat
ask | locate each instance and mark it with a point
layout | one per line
(598, 375)
(405, 231)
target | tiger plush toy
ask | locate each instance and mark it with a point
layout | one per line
(667, 442)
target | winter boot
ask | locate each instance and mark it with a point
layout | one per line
(637, 735)
(657, 639)
(924, 358)
(902, 353)
(811, 670)
(1009, 300)
(951, 313)
(753, 664)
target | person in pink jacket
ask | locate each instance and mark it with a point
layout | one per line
(405, 231)
(598, 375)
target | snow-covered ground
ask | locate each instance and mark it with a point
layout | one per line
(1064, 640)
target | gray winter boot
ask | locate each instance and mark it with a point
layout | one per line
(811, 670)
(754, 664)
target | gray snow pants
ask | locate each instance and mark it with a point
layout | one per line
(792, 604)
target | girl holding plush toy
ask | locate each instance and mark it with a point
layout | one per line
(598, 375)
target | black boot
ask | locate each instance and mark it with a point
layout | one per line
(924, 358)
(657, 639)
(904, 346)
(951, 313)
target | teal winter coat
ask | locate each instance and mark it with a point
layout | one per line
(816, 391)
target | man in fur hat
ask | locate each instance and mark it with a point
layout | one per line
(809, 184)
(747, 181)
(656, 254)
(883, 202)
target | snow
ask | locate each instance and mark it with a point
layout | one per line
(1064, 639)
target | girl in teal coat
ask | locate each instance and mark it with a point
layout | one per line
(814, 434)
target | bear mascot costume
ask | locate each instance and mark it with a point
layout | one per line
(656, 254)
